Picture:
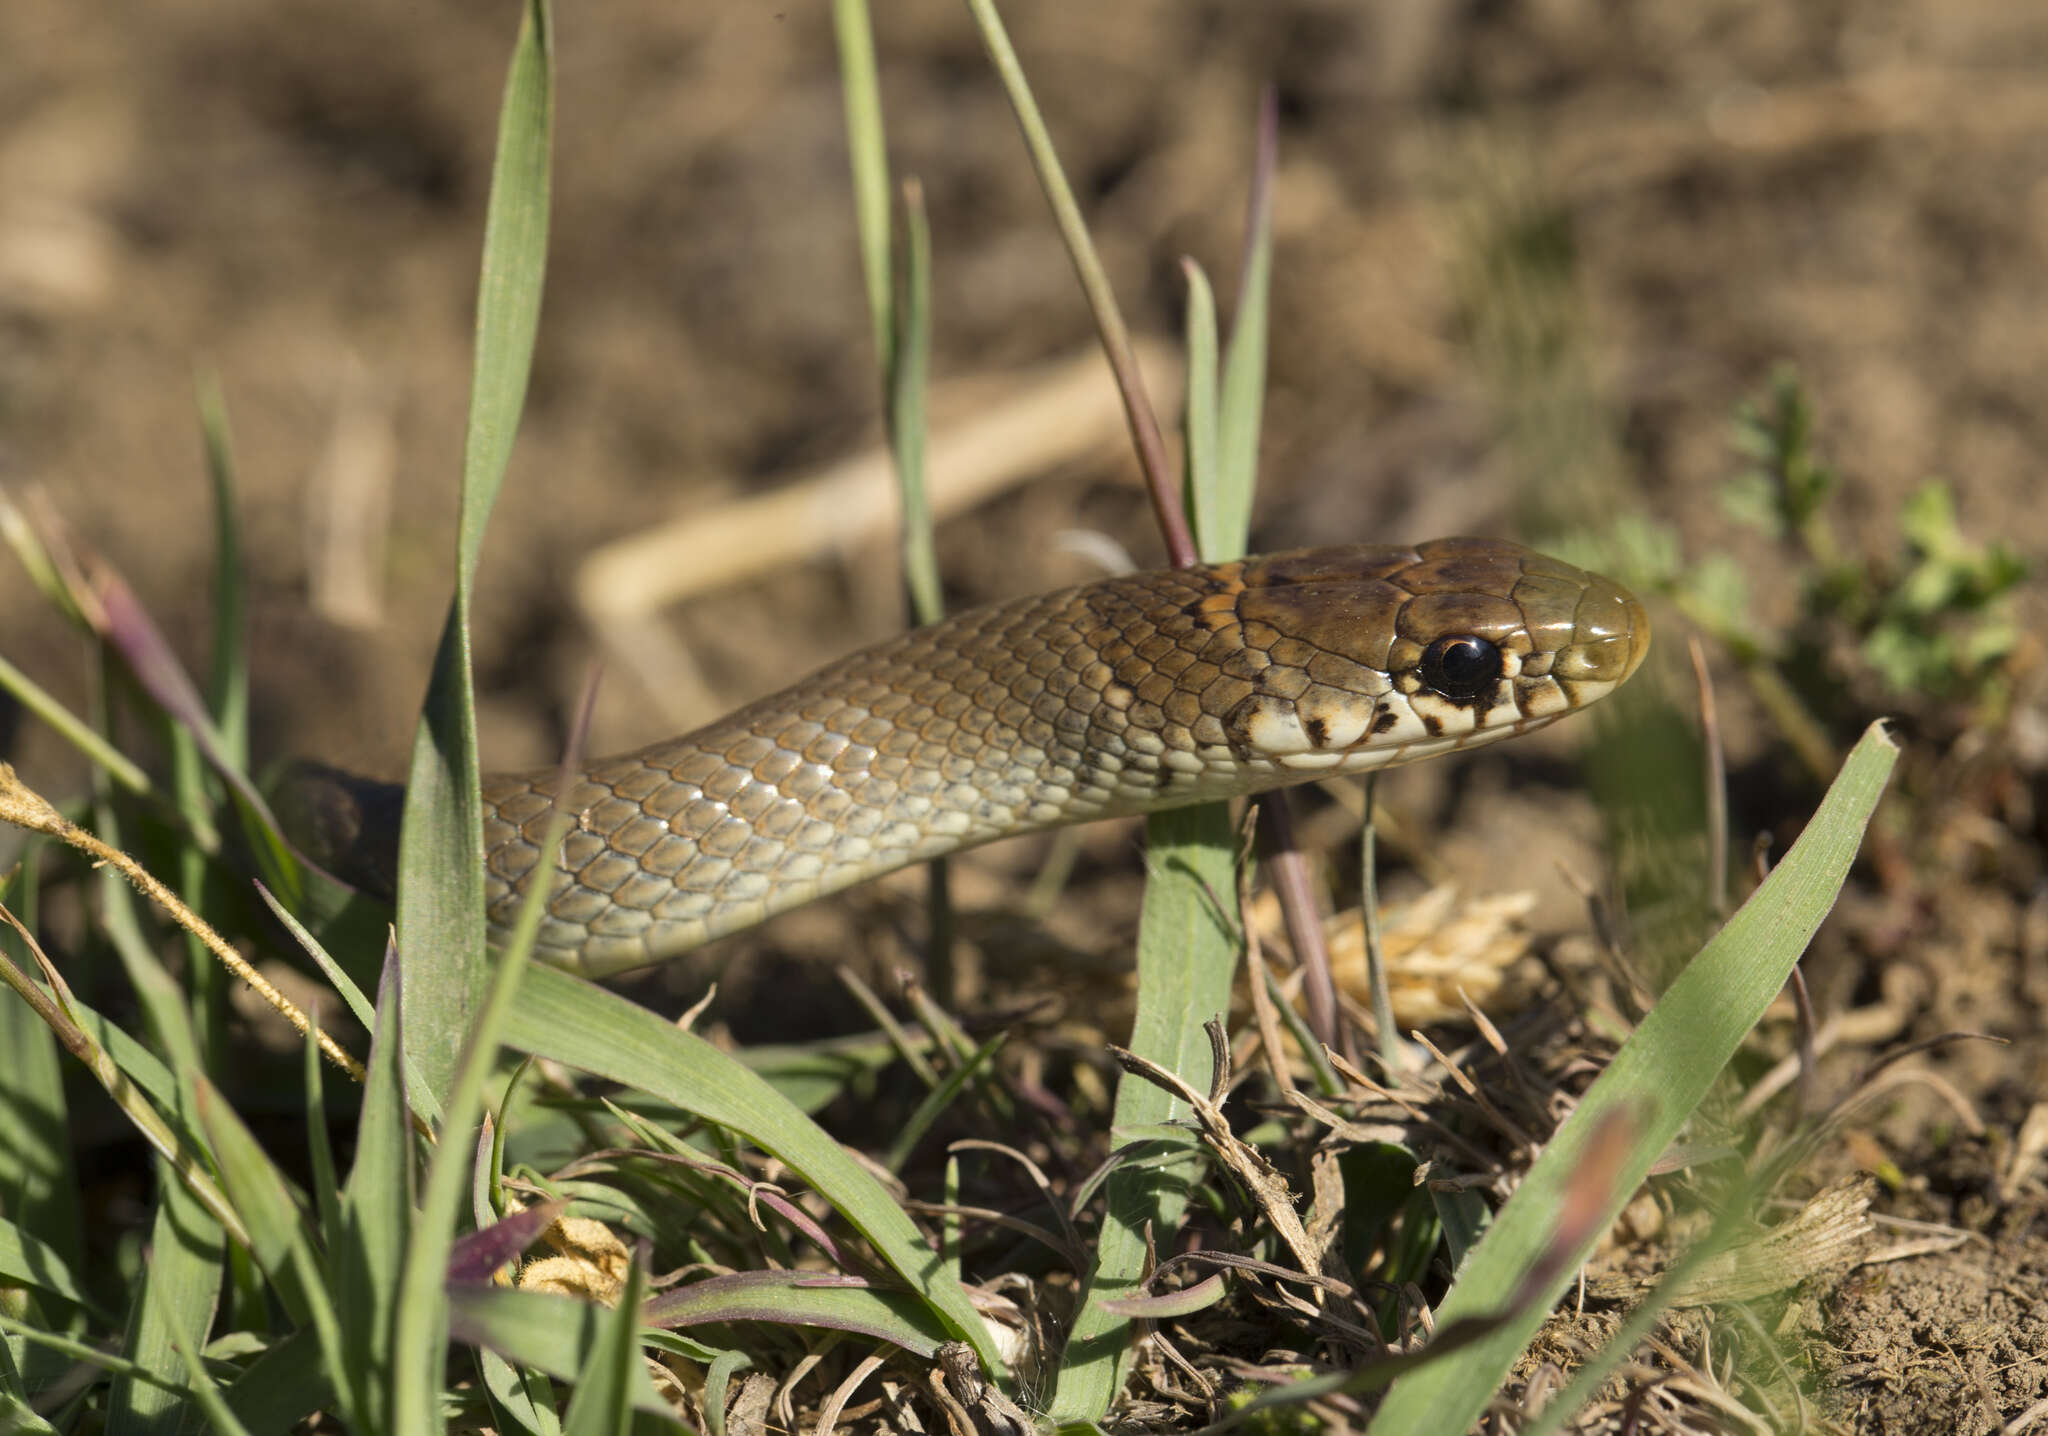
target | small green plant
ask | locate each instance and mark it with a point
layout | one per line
(1932, 619)
(1929, 622)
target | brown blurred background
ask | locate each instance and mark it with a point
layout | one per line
(292, 196)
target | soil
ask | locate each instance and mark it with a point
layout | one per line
(290, 198)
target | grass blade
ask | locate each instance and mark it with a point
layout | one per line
(554, 1334)
(907, 376)
(796, 1298)
(938, 1100)
(1187, 951)
(174, 1311)
(38, 1182)
(584, 1026)
(228, 683)
(122, 770)
(422, 1327)
(220, 1417)
(902, 331)
(1109, 320)
(28, 1261)
(441, 879)
(87, 1353)
(522, 1400)
(602, 1405)
(1243, 390)
(275, 1232)
(114, 1058)
(867, 149)
(1198, 417)
(281, 1386)
(134, 634)
(369, 1247)
(1662, 1072)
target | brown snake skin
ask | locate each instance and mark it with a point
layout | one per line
(1127, 695)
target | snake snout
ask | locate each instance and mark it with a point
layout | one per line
(1638, 632)
(1610, 636)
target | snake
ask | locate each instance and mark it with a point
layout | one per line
(1132, 694)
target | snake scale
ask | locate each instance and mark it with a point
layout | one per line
(1127, 695)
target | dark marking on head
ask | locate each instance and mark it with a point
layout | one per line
(1383, 720)
(1162, 778)
(1237, 726)
(1318, 732)
(1432, 725)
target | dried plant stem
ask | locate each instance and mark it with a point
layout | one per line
(56, 1014)
(1109, 320)
(1288, 870)
(26, 808)
(1716, 779)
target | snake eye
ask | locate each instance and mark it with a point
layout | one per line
(1461, 667)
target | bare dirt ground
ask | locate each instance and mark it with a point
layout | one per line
(292, 196)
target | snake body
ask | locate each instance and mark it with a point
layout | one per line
(1127, 695)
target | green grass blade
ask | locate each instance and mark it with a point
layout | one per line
(938, 1100)
(135, 1080)
(269, 1209)
(868, 150)
(509, 287)
(907, 379)
(127, 1060)
(282, 1386)
(28, 1261)
(344, 985)
(321, 1169)
(422, 1309)
(717, 1377)
(441, 880)
(175, 1308)
(1244, 360)
(1661, 1074)
(17, 1417)
(602, 1405)
(1198, 419)
(38, 1182)
(811, 1077)
(548, 1333)
(902, 332)
(1641, 1323)
(950, 1227)
(88, 1353)
(1187, 951)
(1109, 320)
(206, 978)
(121, 769)
(368, 1249)
(162, 999)
(228, 683)
(134, 634)
(586, 1027)
(802, 1299)
(522, 1399)
(206, 1396)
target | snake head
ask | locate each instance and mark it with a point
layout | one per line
(1376, 656)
